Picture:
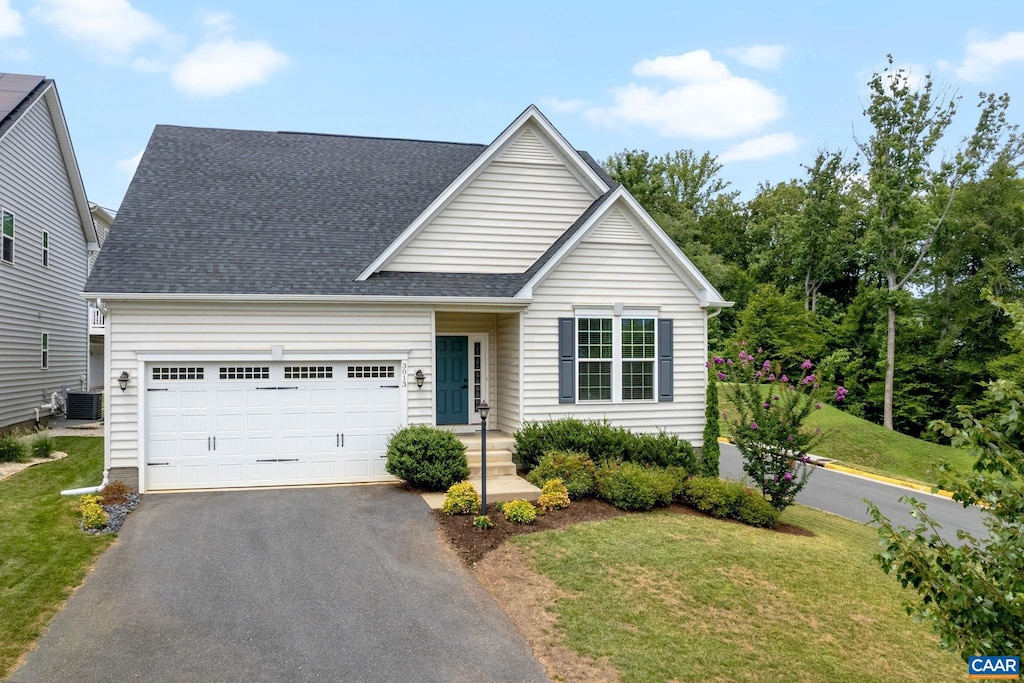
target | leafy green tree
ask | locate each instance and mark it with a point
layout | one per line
(911, 189)
(972, 594)
(779, 324)
(823, 246)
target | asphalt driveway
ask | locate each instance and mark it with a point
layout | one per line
(331, 584)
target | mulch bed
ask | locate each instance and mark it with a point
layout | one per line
(472, 544)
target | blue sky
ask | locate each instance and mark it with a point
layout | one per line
(761, 85)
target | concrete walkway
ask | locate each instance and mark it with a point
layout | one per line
(330, 584)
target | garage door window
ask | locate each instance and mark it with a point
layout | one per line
(371, 372)
(175, 373)
(308, 371)
(245, 372)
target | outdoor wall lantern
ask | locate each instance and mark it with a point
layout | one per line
(419, 378)
(122, 381)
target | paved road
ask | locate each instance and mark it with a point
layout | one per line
(328, 584)
(844, 494)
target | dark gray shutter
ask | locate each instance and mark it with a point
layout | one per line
(665, 360)
(566, 360)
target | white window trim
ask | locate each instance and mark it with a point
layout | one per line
(616, 359)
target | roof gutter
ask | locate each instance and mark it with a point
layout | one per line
(107, 297)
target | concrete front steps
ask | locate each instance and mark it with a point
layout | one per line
(502, 481)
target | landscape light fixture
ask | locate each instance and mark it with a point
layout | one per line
(484, 410)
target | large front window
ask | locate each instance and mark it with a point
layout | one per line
(615, 358)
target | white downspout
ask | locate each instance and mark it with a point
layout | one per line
(87, 489)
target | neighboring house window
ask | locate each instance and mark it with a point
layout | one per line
(46, 249)
(44, 361)
(615, 357)
(8, 237)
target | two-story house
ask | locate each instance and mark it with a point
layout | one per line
(48, 235)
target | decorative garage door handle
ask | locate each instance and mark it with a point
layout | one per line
(154, 464)
(339, 440)
(274, 388)
(279, 460)
(388, 386)
(152, 389)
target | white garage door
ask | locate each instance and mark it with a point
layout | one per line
(219, 425)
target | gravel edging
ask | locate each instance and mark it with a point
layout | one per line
(116, 515)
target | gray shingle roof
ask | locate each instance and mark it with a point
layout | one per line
(214, 211)
(16, 98)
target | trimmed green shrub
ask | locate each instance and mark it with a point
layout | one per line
(427, 457)
(576, 470)
(12, 448)
(42, 445)
(93, 515)
(499, 505)
(756, 511)
(629, 486)
(462, 499)
(520, 511)
(602, 443)
(729, 500)
(715, 497)
(482, 522)
(711, 450)
(553, 496)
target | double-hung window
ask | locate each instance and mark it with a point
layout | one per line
(44, 348)
(46, 249)
(7, 238)
(616, 356)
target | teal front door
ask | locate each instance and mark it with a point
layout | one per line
(452, 380)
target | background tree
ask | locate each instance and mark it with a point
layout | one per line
(911, 189)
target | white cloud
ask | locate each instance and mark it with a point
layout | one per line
(690, 67)
(111, 27)
(759, 56)
(10, 21)
(217, 23)
(709, 101)
(761, 148)
(223, 66)
(984, 58)
(563, 106)
(129, 165)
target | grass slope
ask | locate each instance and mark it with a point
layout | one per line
(43, 554)
(673, 597)
(862, 444)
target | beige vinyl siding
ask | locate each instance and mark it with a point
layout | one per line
(135, 328)
(508, 372)
(635, 275)
(34, 186)
(504, 219)
(458, 323)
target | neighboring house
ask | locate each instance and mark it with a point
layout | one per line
(275, 300)
(102, 219)
(48, 236)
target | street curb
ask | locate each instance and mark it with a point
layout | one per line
(876, 477)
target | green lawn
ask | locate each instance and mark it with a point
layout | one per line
(672, 597)
(43, 555)
(870, 447)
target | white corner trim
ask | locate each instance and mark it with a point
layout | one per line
(701, 287)
(577, 166)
